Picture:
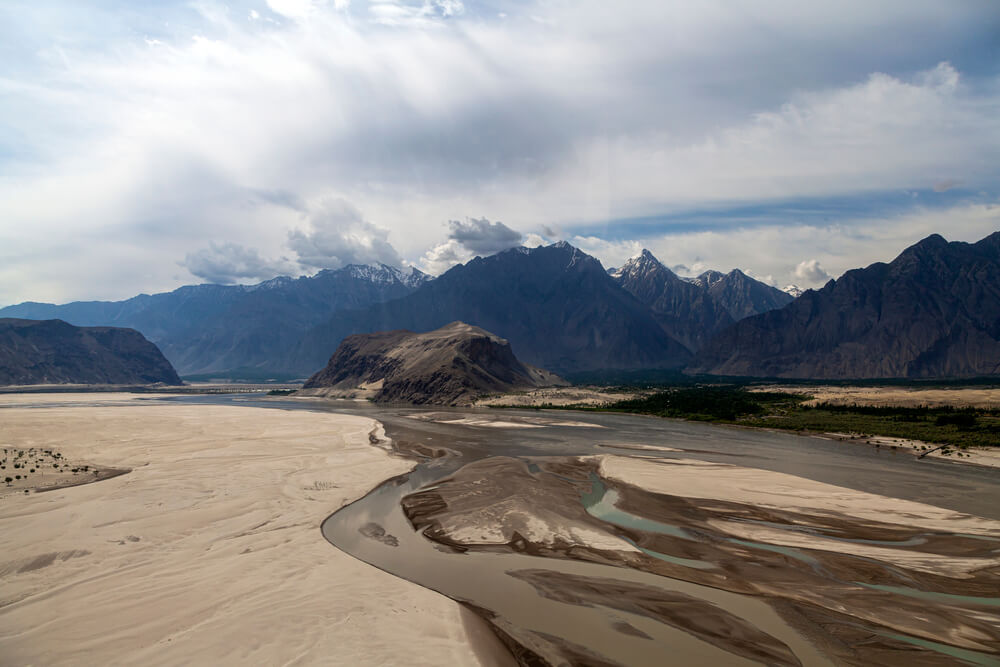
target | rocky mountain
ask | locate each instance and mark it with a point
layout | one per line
(686, 311)
(222, 328)
(54, 352)
(556, 305)
(741, 295)
(934, 311)
(449, 366)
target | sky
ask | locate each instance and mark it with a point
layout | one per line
(148, 144)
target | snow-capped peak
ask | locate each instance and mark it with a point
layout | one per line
(793, 290)
(643, 264)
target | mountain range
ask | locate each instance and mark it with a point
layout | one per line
(934, 311)
(226, 328)
(54, 352)
(556, 305)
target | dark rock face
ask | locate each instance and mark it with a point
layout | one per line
(215, 328)
(556, 305)
(741, 295)
(54, 352)
(934, 311)
(449, 366)
(686, 311)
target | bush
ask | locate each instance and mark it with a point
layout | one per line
(959, 419)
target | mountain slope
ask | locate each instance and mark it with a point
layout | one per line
(448, 366)
(934, 311)
(215, 328)
(54, 352)
(686, 311)
(741, 295)
(555, 304)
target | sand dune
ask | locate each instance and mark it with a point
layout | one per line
(209, 551)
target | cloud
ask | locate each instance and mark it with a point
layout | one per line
(148, 133)
(945, 185)
(296, 9)
(443, 256)
(810, 271)
(611, 253)
(337, 234)
(468, 239)
(482, 236)
(228, 263)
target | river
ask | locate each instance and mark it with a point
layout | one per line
(526, 595)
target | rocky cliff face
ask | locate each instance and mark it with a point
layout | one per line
(556, 305)
(687, 311)
(741, 295)
(934, 311)
(54, 352)
(449, 366)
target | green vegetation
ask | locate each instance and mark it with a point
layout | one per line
(710, 403)
(281, 392)
(958, 427)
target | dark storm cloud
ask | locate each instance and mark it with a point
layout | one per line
(482, 236)
(338, 234)
(228, 263)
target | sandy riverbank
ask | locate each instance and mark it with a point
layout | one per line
(209, 550)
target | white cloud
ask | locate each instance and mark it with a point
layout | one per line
(611, 253)
(582, 116)
(443, 256)
(296, 9)
(810, 272)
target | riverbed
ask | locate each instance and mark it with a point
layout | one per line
(589, 538)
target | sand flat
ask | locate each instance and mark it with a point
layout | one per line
(977, 397)
(209, 551)
(691, 478)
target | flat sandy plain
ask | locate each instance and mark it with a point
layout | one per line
(209, 551)
(977, 397)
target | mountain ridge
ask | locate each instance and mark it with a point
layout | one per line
(934, 311)
(555, 304)
(55, 352)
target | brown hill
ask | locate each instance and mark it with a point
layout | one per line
(449, 366)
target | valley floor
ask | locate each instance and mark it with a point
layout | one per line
(209, 550)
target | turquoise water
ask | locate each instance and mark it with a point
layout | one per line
(930, 595)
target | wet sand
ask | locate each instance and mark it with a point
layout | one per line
(863, 579)
(208, 551)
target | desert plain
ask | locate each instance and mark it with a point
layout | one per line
(208, 551)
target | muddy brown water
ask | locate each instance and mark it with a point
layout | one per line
(509, 588)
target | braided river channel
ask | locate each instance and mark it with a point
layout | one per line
(543, 523)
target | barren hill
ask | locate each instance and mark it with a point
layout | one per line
(449, 366)
(54, 352)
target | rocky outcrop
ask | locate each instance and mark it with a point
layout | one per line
(741, 295)
(450, 366)
(54, 352)
(934, 311)
(686, 311)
